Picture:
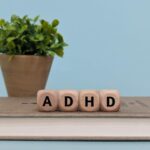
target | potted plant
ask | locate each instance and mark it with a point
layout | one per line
(27, 49)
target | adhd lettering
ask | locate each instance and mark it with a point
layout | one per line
(84, 100)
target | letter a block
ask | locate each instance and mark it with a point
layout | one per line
(68, 100)
(89, 101)
(109, 100)
(47, 100)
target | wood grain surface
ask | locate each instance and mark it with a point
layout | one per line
(131, 107)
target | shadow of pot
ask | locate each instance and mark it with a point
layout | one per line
(24, 75)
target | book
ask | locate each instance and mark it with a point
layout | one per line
(21, 120)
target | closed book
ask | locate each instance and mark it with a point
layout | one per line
(21, 120)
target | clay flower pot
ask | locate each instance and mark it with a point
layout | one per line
(24, 75)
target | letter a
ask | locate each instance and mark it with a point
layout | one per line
(47, 101)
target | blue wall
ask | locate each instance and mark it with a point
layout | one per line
(63, 145)
(109, 42)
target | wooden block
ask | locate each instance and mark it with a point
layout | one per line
(68, 100)
(89, 100)
(47, 100)
(109, 100)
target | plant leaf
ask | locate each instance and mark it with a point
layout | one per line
(51, 53)
(2, 22)
(36, 19)
(24, 36)
(59, 52)
(55, 22)
(10, 39)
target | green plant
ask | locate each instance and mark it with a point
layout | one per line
(26, 36)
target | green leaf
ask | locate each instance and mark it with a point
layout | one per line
(24, 36)
(11, 45)
(53, 30)
(58, 45)
(39, 37)
(14, 18)
(23, 28)
(9, 39)
(51, 53)
(25, 17)
(65, 44)
(60, 37)
(11, 28)
(59, 52)
(36, 19)
(55, 23)
(2, 22)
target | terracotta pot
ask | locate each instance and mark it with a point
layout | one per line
(24, 75)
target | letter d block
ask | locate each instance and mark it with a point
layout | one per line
(109, 100)
(47, 100)
(68, 100)
(89, 101)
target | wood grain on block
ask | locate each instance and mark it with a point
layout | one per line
(47, 100)
(109, 100)
(89, 100)
(68, 100)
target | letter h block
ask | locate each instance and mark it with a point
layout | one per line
(68, 100)
(89, 101)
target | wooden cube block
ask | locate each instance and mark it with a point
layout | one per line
(47, 100)
(89, 100)
(109, 100)
(68, 100)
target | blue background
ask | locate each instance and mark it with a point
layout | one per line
(57, 145)
(109, 47)
(109, 42)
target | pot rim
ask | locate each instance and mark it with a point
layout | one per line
(25, 56)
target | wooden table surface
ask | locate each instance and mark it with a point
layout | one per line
(26, 107)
